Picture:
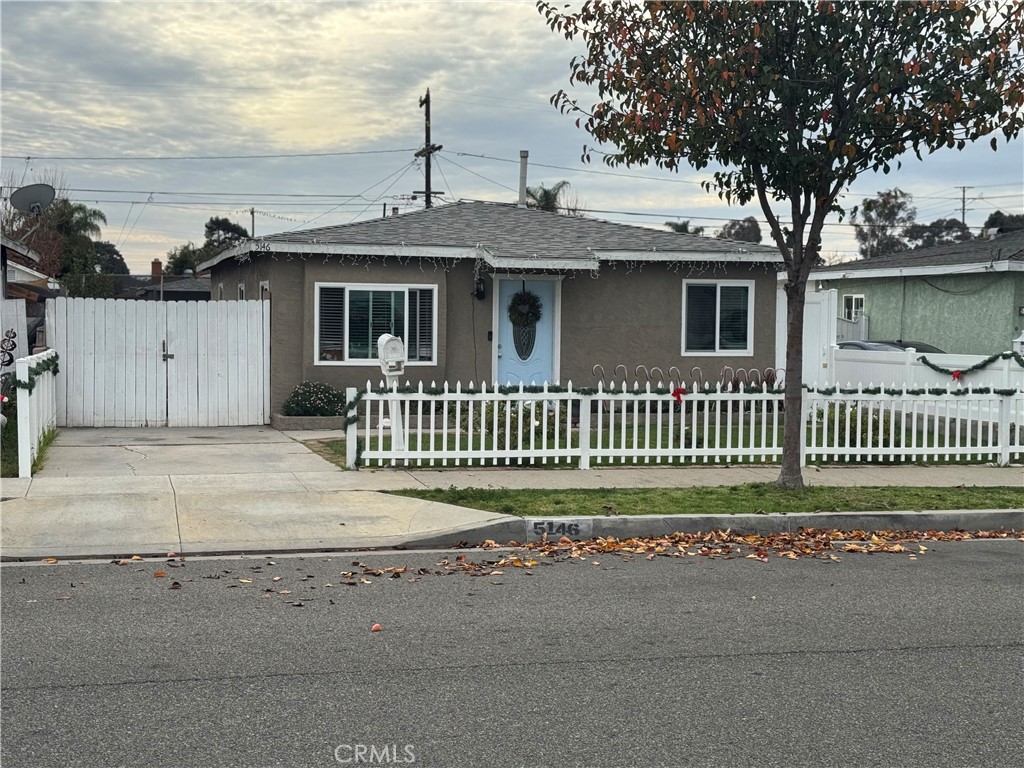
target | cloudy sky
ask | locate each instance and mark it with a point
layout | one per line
(163, 114)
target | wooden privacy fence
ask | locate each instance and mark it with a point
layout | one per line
(515, 426)
(131, 363)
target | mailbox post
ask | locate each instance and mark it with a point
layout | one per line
(391, 353)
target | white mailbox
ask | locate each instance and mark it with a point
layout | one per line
(391, 353)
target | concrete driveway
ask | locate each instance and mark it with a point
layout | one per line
(233, 489)
(178, 451)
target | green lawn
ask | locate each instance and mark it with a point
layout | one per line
(755, 498)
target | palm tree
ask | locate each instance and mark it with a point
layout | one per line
(551, 199)
(683, 227)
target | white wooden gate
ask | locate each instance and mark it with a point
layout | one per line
(128, 363)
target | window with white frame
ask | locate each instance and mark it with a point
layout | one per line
(350, 317)
(853, 306)
(241, 291)
(264, 289)
(718, 317)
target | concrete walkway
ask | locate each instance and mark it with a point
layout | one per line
(116, 492)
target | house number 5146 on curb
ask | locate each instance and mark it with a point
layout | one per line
(572, 528)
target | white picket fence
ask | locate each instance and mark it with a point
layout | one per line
(151, 363)
(37, 407)
(502, 426)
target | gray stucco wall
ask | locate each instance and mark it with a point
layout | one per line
(973, 314)
(627, 317)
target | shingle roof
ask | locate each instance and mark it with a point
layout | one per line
(1008, 246)
(506, 232)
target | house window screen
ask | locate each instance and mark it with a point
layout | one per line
(331, 340)
(350, 319)
(717, 318)
(420, 341)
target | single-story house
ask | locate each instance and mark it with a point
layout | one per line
(587, 292)
(964, 298)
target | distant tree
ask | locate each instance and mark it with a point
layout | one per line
(741, 229)
(222, 233)
(998, 221)
(683, 227)
(554, 199)
(939, 232)
(879, 223)
(184, 257)
(109, 259)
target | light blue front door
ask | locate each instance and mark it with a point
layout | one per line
(526, 354)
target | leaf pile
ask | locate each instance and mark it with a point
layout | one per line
(820, 543)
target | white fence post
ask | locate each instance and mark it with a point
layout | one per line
(351, 430)
(1004, 429)
(25, 448)
(584, 430)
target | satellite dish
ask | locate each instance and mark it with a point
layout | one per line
(34, 198)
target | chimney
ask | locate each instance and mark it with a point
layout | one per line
(523, 156)
(156, 269)
(394, 210)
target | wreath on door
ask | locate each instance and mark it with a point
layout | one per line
(525, 309)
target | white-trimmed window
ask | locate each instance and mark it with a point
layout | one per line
(264, 289)
(349, 317)
(241, 291)
(853, 305)
(718, 317)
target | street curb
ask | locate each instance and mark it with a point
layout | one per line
(632, 526)
(526, 529)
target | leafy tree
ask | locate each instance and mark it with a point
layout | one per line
(554, 199)
(998, 221)
(741, 229)
(792, 102)
(109, 259)
(879, 222)
(939, 232)
(684, 227)
(222, 233)
(184, 257)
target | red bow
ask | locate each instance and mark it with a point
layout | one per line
(956, 375)
(678, 393)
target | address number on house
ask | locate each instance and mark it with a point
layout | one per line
(574, 528)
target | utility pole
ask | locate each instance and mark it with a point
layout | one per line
(428, 150)
(963, 204)
(252, 232)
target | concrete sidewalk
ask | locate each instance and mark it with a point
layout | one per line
(253, 489)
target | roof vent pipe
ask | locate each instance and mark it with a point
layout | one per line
(523, 157)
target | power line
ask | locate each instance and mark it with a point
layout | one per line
(148, 158)
(577, 170)
(479, 175)
(204, 194)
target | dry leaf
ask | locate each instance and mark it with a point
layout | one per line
(276, 578)
(50, 560)
(246, 581)
(136, 557)
(158, 574)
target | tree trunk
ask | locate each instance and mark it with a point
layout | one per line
(791, 477)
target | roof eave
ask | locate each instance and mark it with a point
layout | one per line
(748, 257)
(946, 269)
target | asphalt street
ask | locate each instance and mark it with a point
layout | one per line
(876, 660)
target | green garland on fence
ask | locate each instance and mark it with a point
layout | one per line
(959, 373)
(829, 391)
(50, 364)
(506, 389)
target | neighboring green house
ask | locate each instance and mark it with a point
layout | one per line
(965, 298)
